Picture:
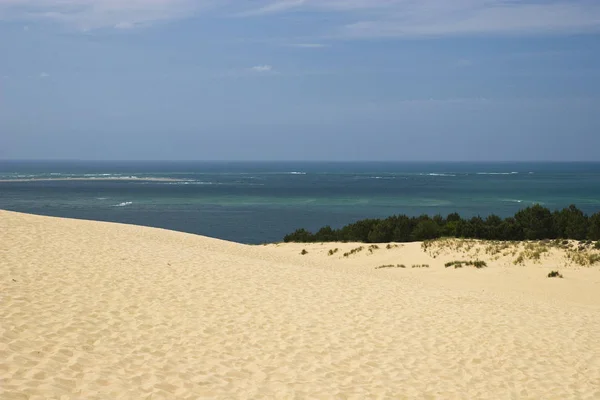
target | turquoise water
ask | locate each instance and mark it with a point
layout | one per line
(261, 202)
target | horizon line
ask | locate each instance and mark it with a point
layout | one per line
(288, 161)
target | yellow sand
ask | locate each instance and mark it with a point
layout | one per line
(92, 310)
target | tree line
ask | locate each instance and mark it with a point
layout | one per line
(532, 223)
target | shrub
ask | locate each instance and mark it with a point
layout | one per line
(391, 266)
(304, 252)
(554, 274)
(354, 251)
(373, 247)
(333, 251)
(459, 264)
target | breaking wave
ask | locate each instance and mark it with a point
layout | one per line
(497, 173)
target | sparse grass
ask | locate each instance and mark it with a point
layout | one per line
(532, 251)
(446, 245)
(426, 245)
(391, 266)
(420, 266)
(583, 253)
(459, 264)
(373, 247)
(391, 246)
(304, 252)
(555, 274)
(494, 248)
(333, 251)
(519, 260)
(583, 259)
(354, 251)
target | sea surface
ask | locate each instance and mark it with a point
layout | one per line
(252, 202)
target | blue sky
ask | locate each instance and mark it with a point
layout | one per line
(300, 79)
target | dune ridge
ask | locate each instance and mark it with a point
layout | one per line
(108, 311)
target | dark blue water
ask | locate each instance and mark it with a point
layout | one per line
(261, 202)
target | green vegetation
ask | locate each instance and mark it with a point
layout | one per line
(421, 266)
(459, 264)
(333, 251)
(354, 251)
(391, 266)
(533, 251)
(555, 274)
(304, 252)
(532, 223)
(583, 259)
(372, 248)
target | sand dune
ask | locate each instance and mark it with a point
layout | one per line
(93, 310)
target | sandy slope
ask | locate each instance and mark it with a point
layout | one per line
(95, 310)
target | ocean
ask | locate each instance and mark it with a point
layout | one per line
(257, 202)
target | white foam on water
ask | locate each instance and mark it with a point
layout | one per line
(191, 183)
(124, 204)
(497, 173)
(437, 174)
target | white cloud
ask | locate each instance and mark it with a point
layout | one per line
(125, 25)
(44, 75)
(95, 14)
(262, 68)
(274, 8)
(353, 18)
(464, 17)
(422, 18)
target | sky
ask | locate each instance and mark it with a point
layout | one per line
(398, 80)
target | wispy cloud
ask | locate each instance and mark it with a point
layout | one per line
(422, 18)
(262, 68)
(353, 18)
(273, 8)
(309, 45)
(466, 17)
(94, 14)
(44, 75)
